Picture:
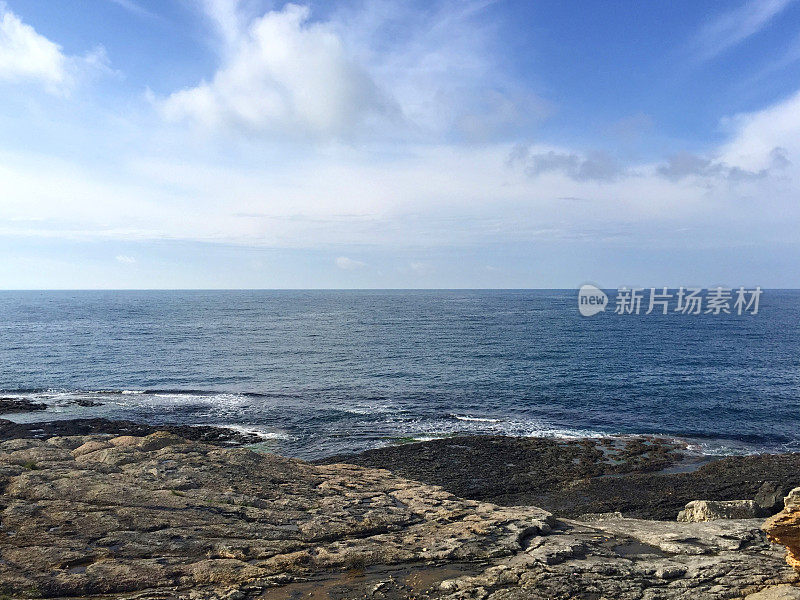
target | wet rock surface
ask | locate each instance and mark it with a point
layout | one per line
(163, 517)
(19, 405)
(584, 476)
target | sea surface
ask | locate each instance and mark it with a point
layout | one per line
(321, 372)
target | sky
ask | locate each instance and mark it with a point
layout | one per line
(399, 144)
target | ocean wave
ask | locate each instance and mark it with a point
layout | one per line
(476, 419)
(365, 418)
(265, 435)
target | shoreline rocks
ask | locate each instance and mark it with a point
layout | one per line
(10, 430)
(652, 480)
(159, 516)
(19, 405)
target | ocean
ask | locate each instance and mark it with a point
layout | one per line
(320, 372)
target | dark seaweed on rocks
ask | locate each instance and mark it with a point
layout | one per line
(571, 478)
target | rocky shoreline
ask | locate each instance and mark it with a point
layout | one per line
(156, 515)
(642, 477)
(42, 430)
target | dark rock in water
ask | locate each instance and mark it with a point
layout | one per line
(770, 497)
(48, 429)
(571, 478)
(86, 403)
(17, 405)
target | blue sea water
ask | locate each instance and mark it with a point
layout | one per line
(321, 372)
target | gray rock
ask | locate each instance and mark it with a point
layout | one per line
(777, 592)
(770, 497)
(163, 517)
(710, 510)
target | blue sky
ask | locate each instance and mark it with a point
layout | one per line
(224, 143)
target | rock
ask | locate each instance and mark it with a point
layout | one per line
(777, 592)
(125, 441)
(81, 427)
(784, 528)
(159, 440)
(17, 405)
(770, 497)
(600, 516)
(710, 510)
(571, 478)
(91, 446)
(86, 403)
(163, 517)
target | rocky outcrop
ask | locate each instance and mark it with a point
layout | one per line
(19, 405)
(709, 510)
(784, 528)
(162, 517)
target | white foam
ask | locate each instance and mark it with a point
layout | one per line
(477, 419)
(263, 434)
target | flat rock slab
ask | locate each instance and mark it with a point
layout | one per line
(161, 517)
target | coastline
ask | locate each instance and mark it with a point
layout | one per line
(203, 521)
(640, 476)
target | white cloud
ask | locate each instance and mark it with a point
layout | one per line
(281, 74)
(135, 8)
(125, 259)
(348, 264)
(757, 135)
(27, 56)
(347, 200)
(442, 65)
(735, 26)
(285, 74)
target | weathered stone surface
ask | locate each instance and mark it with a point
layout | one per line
(770, 497)
(709, 510)
(784, 528)
(162, 517)
(632, 559)
(777, 592)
